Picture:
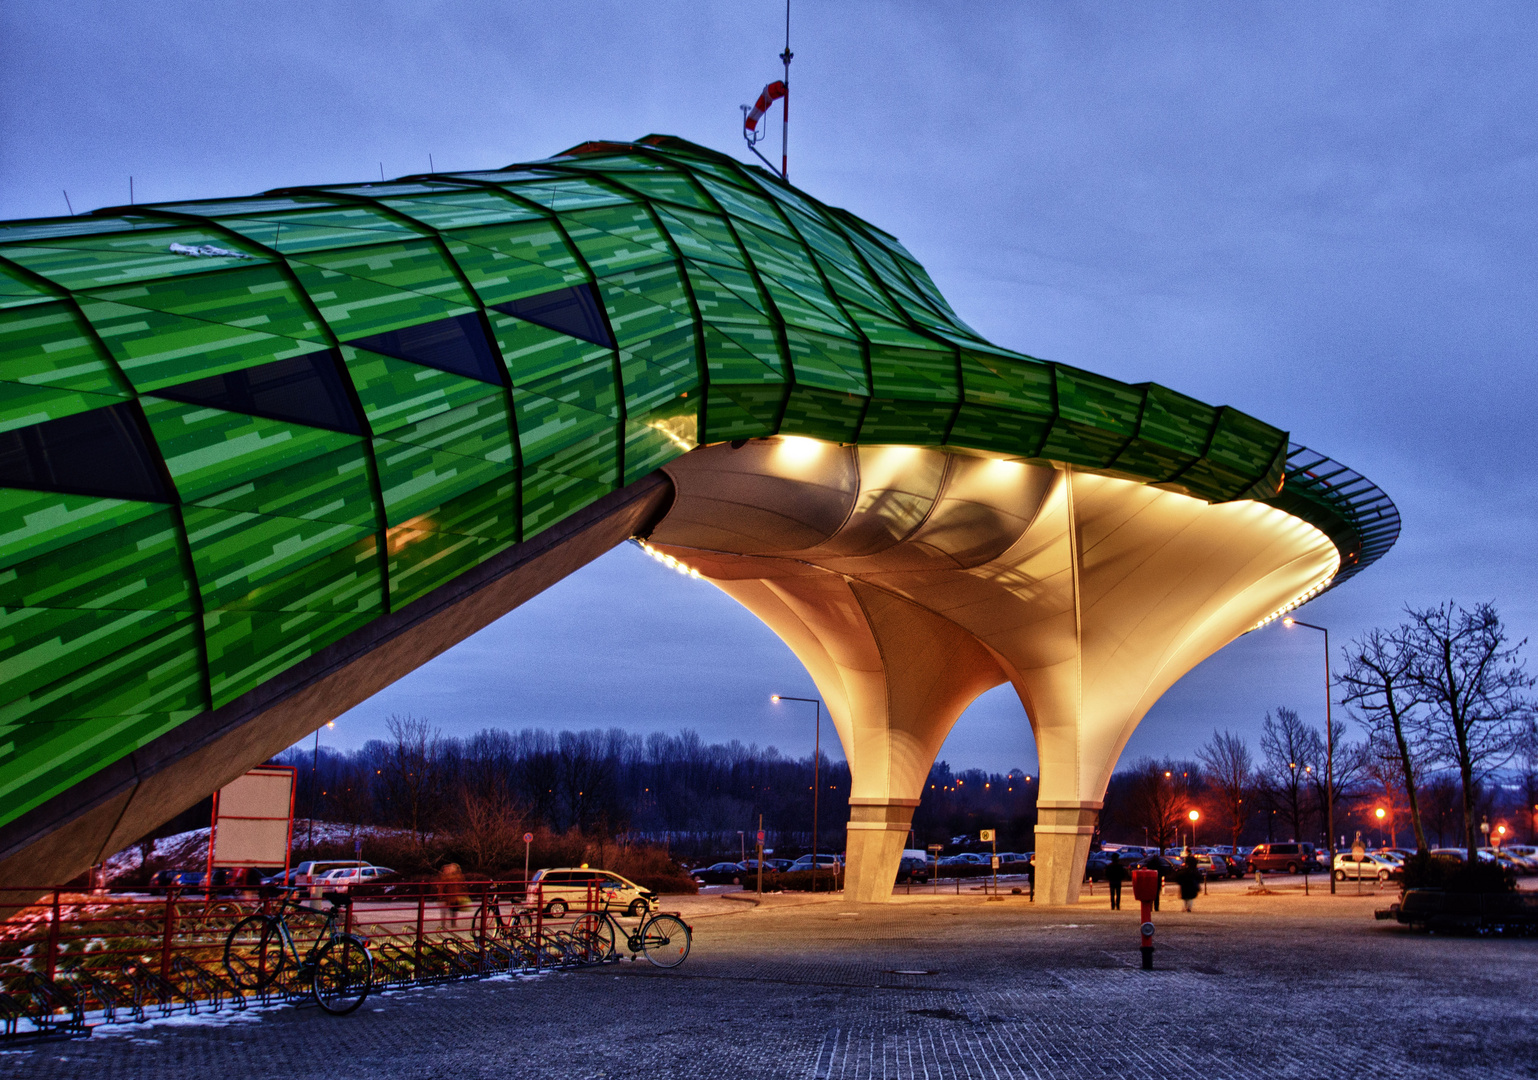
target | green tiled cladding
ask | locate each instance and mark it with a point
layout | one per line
(704, 301)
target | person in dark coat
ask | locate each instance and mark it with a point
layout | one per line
(1190, 880)
(1114, 875)
(1155, 864)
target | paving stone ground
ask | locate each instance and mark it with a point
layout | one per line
(930, 986)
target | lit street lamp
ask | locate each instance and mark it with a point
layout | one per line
(816, 777)
(1380, 814)
(1329, 747)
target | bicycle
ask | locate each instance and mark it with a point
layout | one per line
(512, 925)
(339, 966)
(664, 939)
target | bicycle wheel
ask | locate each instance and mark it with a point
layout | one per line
(254, 952)
(665, 940)
(593, 937)
(344, 972)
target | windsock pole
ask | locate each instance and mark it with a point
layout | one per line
(786, 57)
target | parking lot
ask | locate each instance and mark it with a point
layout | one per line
(932, 985)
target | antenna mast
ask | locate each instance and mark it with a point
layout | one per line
(786, 58)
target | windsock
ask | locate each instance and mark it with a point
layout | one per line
(772, 93)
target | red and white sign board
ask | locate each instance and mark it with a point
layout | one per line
(254, 819)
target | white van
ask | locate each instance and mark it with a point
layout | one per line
(564, 888)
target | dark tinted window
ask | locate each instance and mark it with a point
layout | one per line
(1284, 849)
(101, 452)
(458, 345)
(301, 390)
(573, 311)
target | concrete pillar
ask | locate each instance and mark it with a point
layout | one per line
(878, 833)
(1063, 831)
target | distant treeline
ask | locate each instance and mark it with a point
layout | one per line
(674, 789)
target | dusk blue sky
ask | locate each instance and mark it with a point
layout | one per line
(1323, 215)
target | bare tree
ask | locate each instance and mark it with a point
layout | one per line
(1474, 685)
(408, 771)
(1382, 692)
(1350, 770)
(1290, 747)
(1157, 800)
(1230, 771)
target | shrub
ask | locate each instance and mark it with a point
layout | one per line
(1427, 871)
(799, 881)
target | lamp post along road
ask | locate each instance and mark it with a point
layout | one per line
(1329, 748)
(315, 783)
(816, 775)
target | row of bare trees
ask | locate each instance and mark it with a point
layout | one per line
(491, 786)
(1446, 689)
(1448, 731)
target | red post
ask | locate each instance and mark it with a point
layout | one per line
(1145, 886)
(168, 934)
(487, 891)
(53, 937)
(421, 914)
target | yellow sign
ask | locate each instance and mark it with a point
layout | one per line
(986, 835)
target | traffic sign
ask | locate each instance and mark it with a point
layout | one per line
(985, 836)
(760, 836)
(528, 838)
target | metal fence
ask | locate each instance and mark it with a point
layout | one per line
(70, 960)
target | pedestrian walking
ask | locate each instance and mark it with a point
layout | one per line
(1156, 864)
(455, 893)
(1113, 877)
(1190, 880)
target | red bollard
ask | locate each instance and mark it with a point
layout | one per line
(1145, 887)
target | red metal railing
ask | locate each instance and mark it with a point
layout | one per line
(71, 959)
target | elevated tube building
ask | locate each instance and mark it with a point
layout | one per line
(260, 457)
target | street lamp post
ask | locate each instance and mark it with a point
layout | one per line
(1195, 816)
(816, 766)
(1329, 748)
(315, 782)
(1380, 814)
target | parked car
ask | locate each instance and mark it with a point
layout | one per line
(182, 879)
(824, 862)
(1515, 863)
(562, 888)
(721, 873)
(1291, 857)
(1209, 865)
(1461, 854)
(911, 868)
(343, 878)
(1372, 865)
(310, 872)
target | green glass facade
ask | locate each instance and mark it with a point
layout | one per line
(233, 432)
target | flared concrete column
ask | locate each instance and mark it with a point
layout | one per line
(1063, 832)
(908, 581)
(894, 676)
(878, 833)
